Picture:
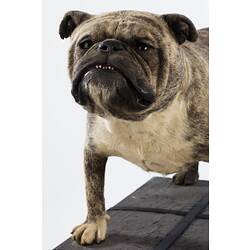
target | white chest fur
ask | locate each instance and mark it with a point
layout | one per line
(155, 144)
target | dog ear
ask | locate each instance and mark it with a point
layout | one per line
(70, 21)
(182, 27)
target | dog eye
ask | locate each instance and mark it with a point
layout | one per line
(85, 44)
(143, 46)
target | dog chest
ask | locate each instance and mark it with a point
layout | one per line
(155, 144)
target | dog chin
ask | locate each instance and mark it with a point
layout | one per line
(111, 91)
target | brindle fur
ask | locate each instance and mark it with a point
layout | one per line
(174, 125)
(187, 177)
(94, 177)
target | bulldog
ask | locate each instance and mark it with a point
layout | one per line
(143, 79)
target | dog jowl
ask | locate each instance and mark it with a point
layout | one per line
(143, 79)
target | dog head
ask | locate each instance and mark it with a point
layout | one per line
(126, 63)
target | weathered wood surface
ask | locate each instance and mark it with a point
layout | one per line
(132, 230)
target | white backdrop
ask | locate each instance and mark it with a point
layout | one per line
(64, 121)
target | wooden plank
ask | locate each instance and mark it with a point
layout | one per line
(196, 237)
(163, 193)
(134, 230)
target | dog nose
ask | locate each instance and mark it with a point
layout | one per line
(110, 45)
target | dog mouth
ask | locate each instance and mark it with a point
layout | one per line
(144, 96)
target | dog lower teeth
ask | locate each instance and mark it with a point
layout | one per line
(104, 67)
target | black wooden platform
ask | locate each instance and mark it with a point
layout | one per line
(135, 226)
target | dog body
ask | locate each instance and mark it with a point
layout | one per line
(143, 78)
(163, 141)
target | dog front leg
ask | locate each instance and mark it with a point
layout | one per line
(95, 227)
(189, 176)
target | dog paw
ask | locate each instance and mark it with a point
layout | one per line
(91, 231)
(186, 178)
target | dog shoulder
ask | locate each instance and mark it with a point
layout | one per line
(99, 136)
